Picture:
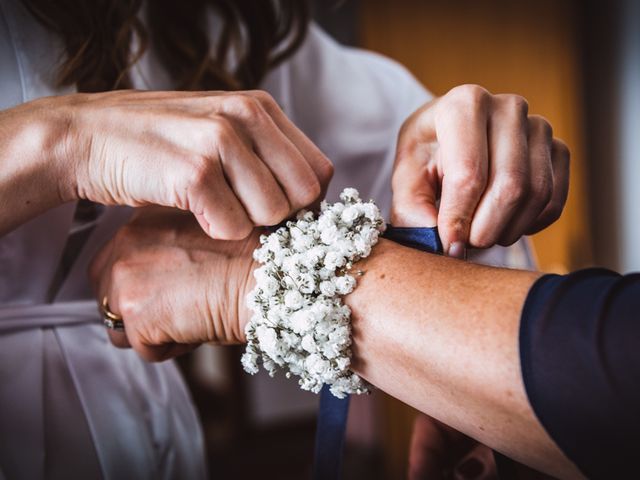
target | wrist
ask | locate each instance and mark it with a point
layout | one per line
(33, 177)
(299, 323)
(227, 288)
(44, 127)
(246, 267)
(374, 278)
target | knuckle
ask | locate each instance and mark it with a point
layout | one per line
(128, 304)
(517, 103)
(471, 94)
(199, 171)
(264, 98)
(511, 191)
(542, 126)
(562, 150)
(246, 105)
(468, 182)
(120, 272)
(220, 129)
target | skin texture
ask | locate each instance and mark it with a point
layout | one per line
(436, 343)
(233, 159)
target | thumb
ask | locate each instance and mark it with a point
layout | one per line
(415, 188)
(415, 182)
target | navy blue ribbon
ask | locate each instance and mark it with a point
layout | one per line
(333, 412)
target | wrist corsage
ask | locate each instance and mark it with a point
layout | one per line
(299, 323)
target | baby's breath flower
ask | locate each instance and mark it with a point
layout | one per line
(302, 321)
(329, 235)
(309, 344)
(293, 299)
(327, 288)
(350, 214)
(345, 284)
(350, 195)
(299, 322)
(333, 260)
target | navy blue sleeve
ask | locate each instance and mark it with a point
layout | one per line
(580, 356)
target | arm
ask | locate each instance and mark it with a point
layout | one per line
(32, 166)
(455, 340)
(232, 159)
(435, 342)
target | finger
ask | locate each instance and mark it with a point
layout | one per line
(427, 451)
(479, 464)
(435, 448)
(100, 277)
(289, 166)
(110, 290)
(253, 183)
(318, 161)
(274, 140)
(415, 180)
(540, 180)
(166, 352)
(214, 204)
(118, 339)
(508, 183)
(560, 161)
(461, 128)
(97, 268)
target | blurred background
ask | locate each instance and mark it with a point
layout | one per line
(578, 64)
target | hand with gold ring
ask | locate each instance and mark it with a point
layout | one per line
(111, 320)
(171, 285)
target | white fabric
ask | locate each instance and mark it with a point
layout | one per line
(137, 418)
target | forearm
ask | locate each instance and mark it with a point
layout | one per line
(32, 163)
(442, 336)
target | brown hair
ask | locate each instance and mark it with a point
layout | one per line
(97, 37)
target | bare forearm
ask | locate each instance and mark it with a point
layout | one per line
(442, 336)
(32, 177)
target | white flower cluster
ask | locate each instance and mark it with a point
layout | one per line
(299, 322)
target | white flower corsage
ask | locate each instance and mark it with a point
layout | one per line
(299, 322)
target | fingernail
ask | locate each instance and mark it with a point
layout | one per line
(470, 468)
(457, 250)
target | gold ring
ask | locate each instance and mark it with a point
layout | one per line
(111, 320)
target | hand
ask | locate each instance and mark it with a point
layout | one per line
(439, 452)
(174, 287)
(497, 171)
(233, 159)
